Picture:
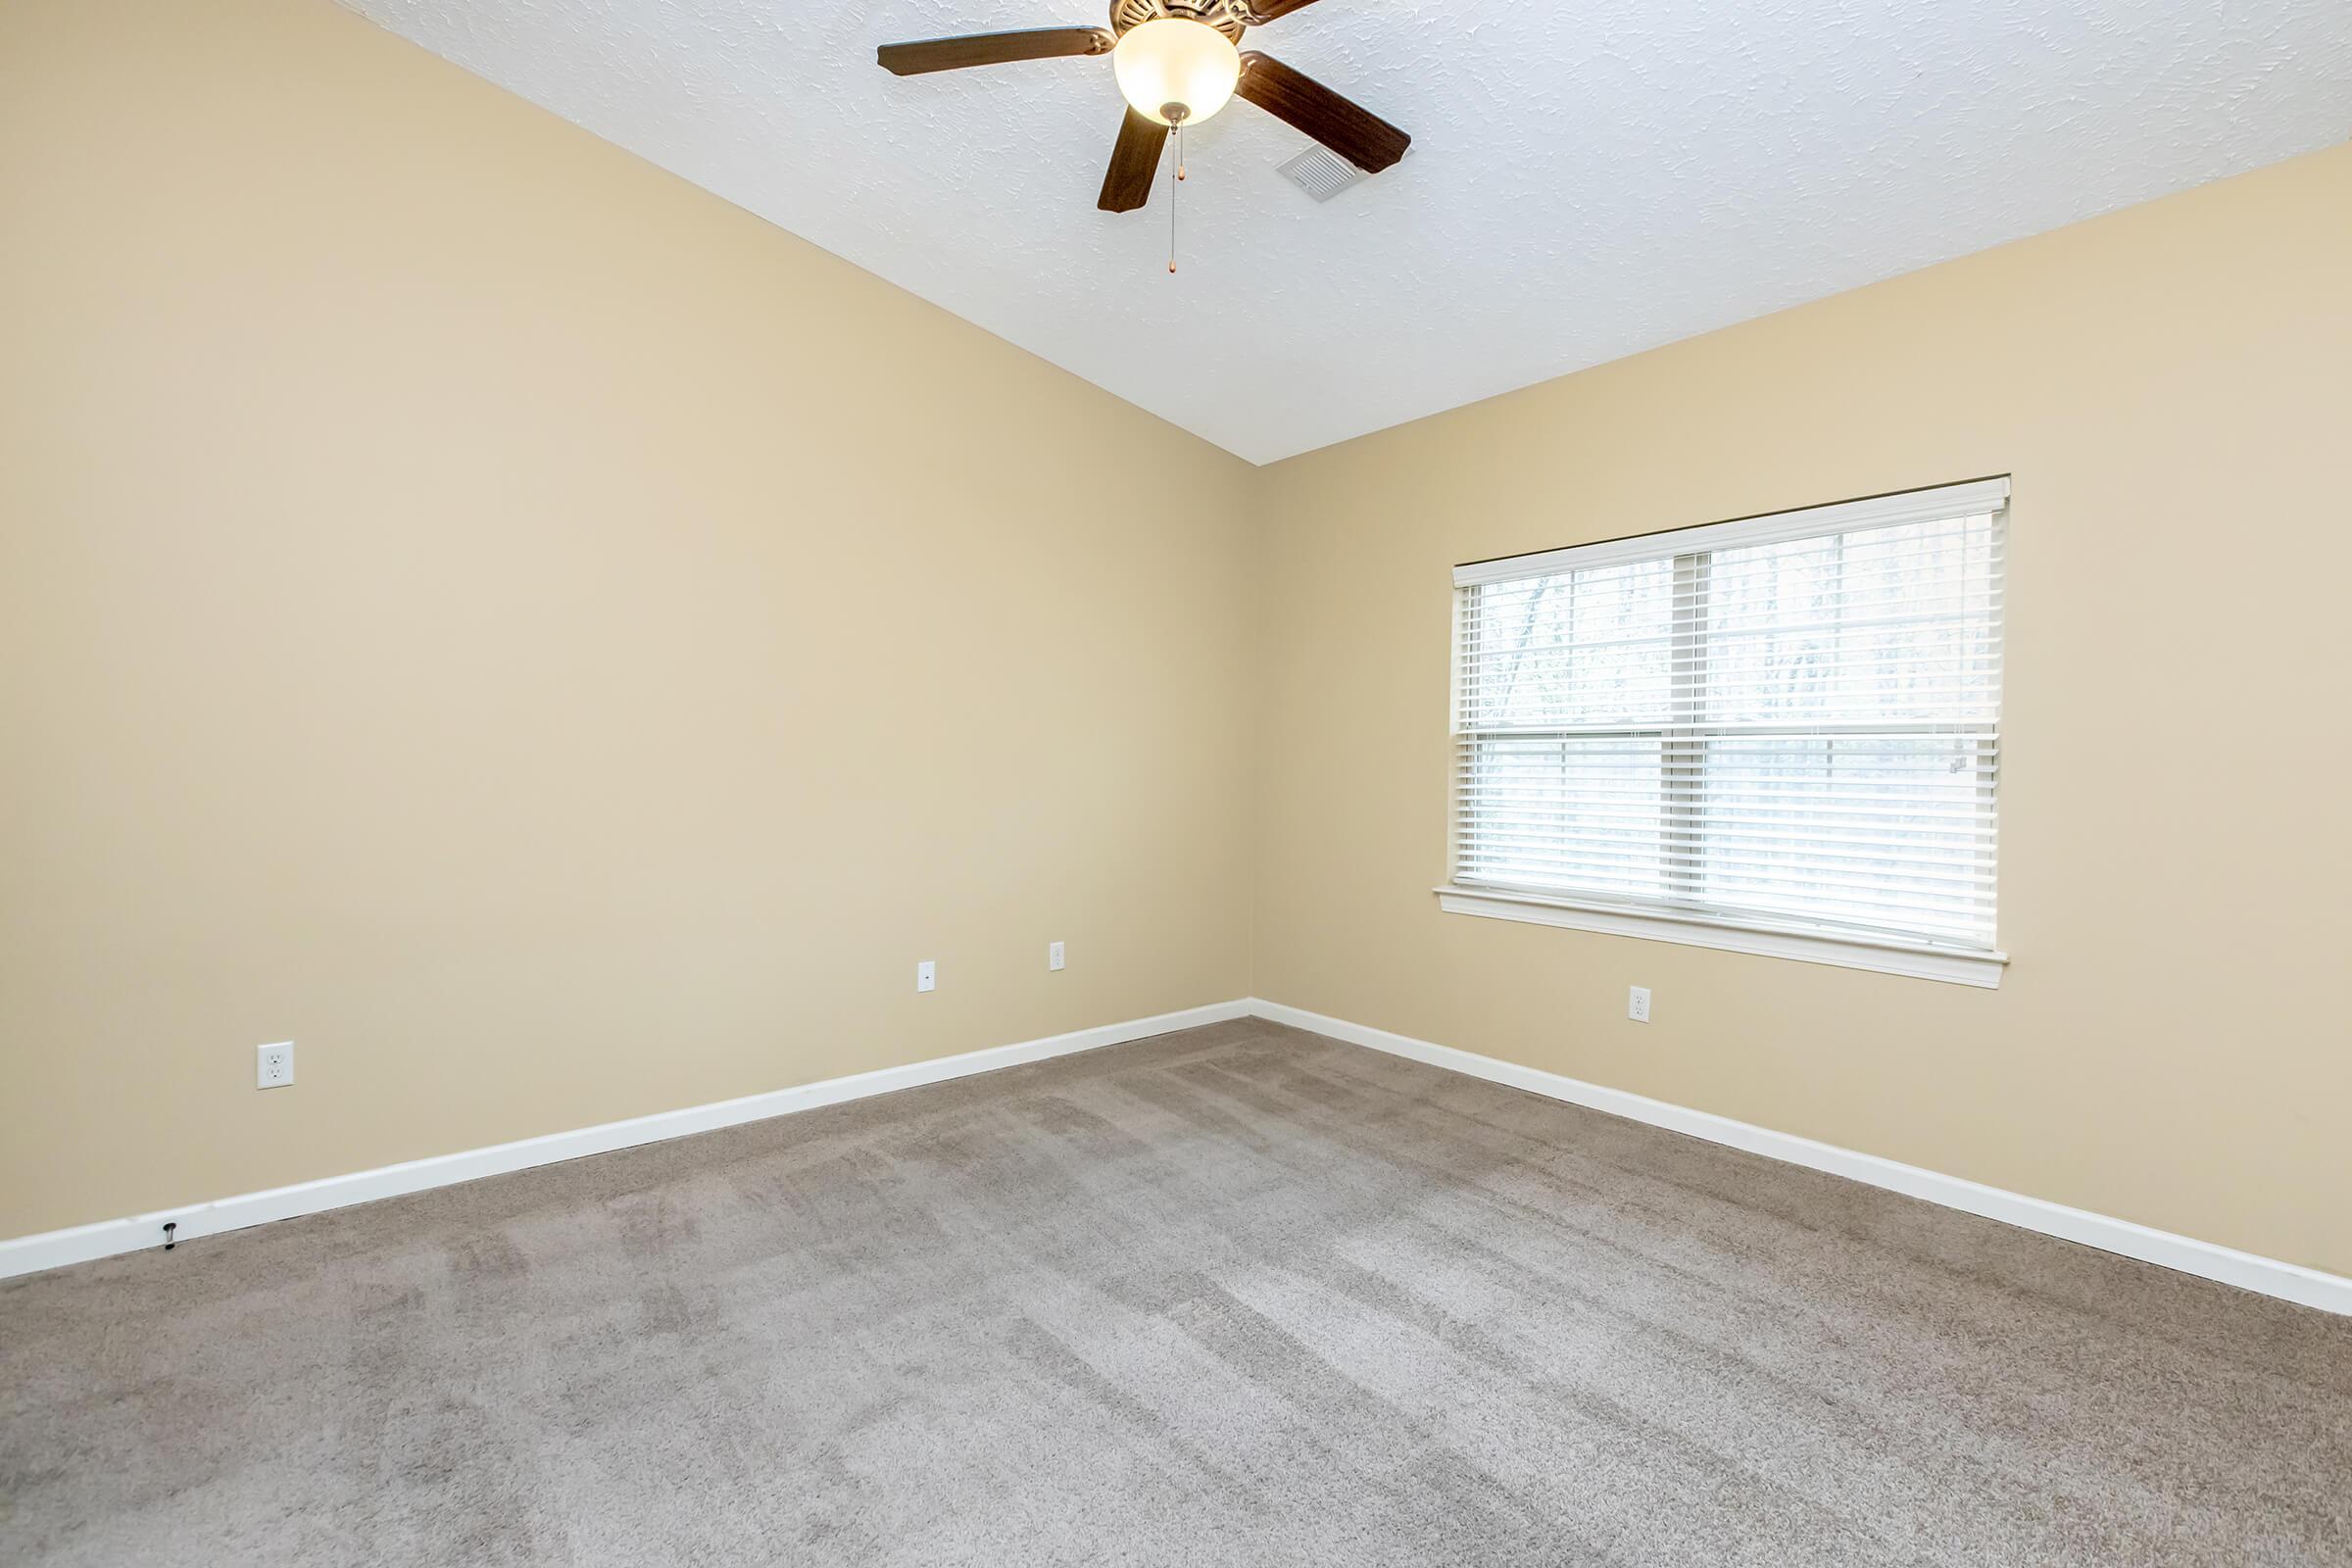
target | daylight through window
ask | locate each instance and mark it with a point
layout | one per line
(1788, 722)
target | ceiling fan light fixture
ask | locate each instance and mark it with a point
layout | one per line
(1176, 71)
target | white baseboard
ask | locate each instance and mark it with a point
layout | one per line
(2292, 1282)
(28, 1255)
(2289, 1282)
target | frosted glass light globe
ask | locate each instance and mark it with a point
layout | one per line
(1174, 64)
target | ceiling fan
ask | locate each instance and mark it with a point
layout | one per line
(1177, 64)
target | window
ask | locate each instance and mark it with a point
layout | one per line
(1781, 734)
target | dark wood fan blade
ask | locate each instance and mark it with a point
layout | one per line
(1354, 132)
(1134, 160)
(991, 49)
(1263, 12)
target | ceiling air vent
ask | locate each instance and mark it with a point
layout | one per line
(1320, 172)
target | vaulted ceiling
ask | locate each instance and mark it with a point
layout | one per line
(1585, 180)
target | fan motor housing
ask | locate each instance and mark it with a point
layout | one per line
(1229, 17)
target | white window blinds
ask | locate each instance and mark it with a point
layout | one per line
(1790, 722)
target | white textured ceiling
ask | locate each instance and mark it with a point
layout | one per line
(1587, 180)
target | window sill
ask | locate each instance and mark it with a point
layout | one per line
(1921, 960)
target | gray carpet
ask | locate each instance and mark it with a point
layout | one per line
(1234, 1296)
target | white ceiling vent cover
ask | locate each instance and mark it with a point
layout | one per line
(1320, 172)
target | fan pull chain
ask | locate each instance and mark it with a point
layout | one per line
(1178, 174)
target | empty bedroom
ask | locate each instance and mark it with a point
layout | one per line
(1355, 782)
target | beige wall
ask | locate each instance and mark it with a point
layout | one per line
(2171, 389)
(558, 649)
(546, 641)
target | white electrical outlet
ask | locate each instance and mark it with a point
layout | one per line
(1637, 1004)
(1053, 955)
(274, 1066)
(926, 975)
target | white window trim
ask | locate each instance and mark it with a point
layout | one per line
(1924, 961)
(1877, 511)
(1921, 960)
